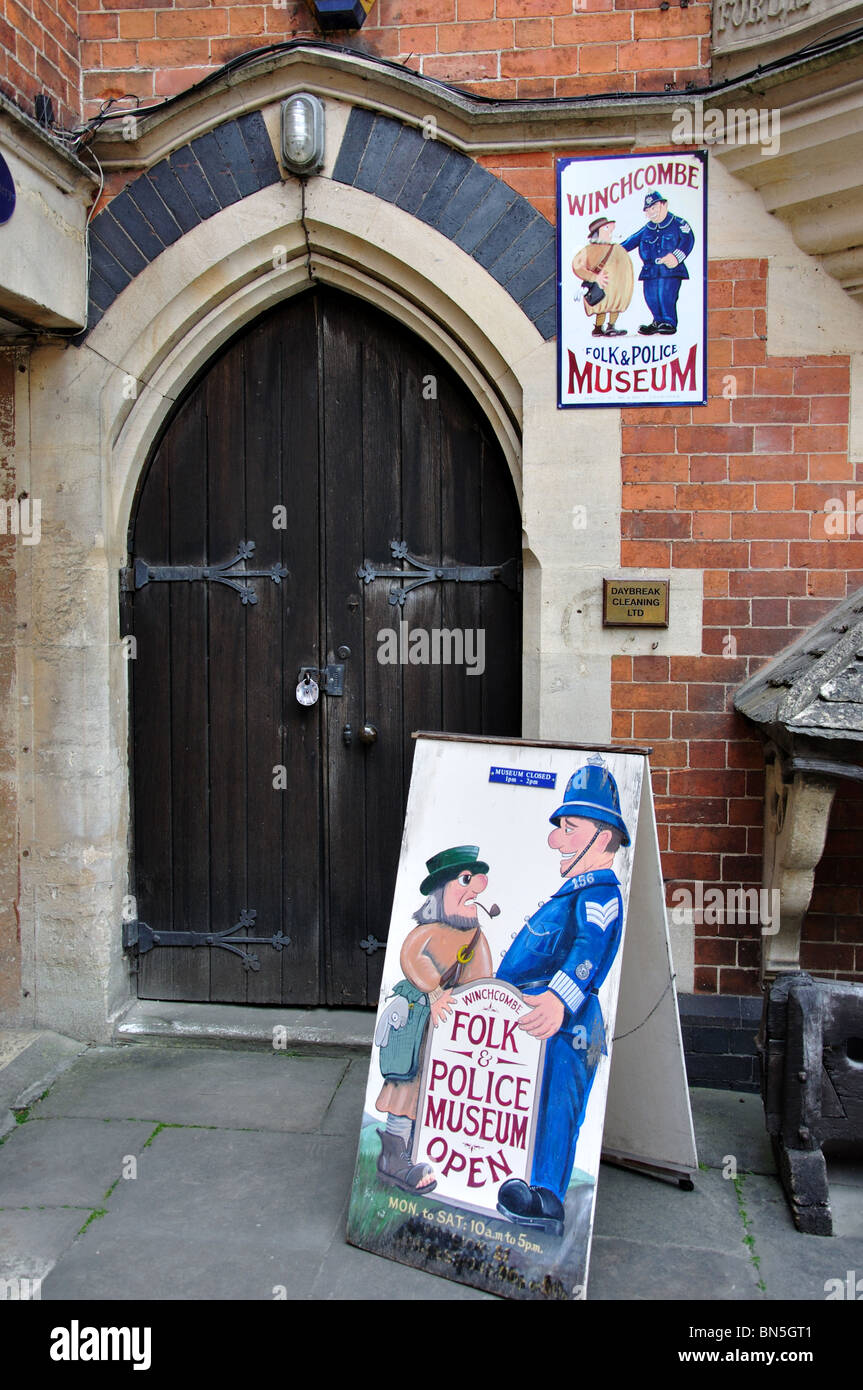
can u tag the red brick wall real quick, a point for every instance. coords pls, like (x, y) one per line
(39, 53)
(500, 48)
(737, 489)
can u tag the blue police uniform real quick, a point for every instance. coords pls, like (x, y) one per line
(673, 236)
(567, 946)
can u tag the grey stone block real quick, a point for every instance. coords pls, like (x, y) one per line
(257, 142)
(235, 154)
(173, 195)
(404, 156)
(547, 323)
(322, 1031)
(501, 236)
(541, 300)
(487, 215)
(131, 220)
(526, 247)
(381, 142)
(114, 238)
(236, 1090)
(354, 140)
(725, 1071)
(453, 172)
(706, 1040)
(191, 176)
(102, 263)
(66, 1162)
(422, 175)
(143, 194)
(532, 275)
(216, 169)
(469, 194)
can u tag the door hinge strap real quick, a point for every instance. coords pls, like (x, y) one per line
(139, 937)
(425, 572)
(141, 573)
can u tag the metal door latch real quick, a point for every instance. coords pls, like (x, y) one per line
(331, 679)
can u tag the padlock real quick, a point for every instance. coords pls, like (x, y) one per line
(308, 690)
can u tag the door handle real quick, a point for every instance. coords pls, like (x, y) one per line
(368, 734)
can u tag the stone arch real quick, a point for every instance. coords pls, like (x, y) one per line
(438, 185)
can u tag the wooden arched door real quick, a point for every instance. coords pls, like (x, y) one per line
(267, 832)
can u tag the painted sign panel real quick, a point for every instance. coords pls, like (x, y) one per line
(632, 274)
(635, 603)
(477, 1104)
(483, 1117)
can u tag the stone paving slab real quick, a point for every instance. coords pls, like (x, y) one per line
(214, 1214)
(29, 1063)
(794, 1266)
(652, 1211)
(345, 1113)
(65, 1161)
(728, 1122)
(217, 1214)
(190, 1085)
(32, 1240)
(631, 1269)
(846, 1196)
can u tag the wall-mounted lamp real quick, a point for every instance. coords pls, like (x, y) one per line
(340, 14)
(303, 133)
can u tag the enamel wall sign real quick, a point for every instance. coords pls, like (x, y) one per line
(632, 279)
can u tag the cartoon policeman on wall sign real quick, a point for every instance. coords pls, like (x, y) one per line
(663, 243)
(559, 960)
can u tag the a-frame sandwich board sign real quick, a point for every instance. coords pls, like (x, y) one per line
(528, 869)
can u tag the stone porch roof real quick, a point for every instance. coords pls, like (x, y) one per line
(813, 689)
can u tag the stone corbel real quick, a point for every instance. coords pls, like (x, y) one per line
(796, 813)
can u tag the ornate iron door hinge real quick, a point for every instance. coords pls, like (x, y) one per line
(136, 576)
(424, 572)
(137, 936)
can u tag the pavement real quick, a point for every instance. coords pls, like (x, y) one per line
(170, 1168)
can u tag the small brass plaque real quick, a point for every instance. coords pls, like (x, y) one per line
(635, 603)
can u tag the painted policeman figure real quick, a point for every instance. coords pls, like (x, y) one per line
(560, 959)
(663, 244)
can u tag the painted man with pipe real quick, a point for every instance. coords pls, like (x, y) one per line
(446, 948)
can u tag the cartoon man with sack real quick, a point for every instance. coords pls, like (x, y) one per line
(446, 948)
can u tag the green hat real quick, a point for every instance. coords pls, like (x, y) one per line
(447, 865)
